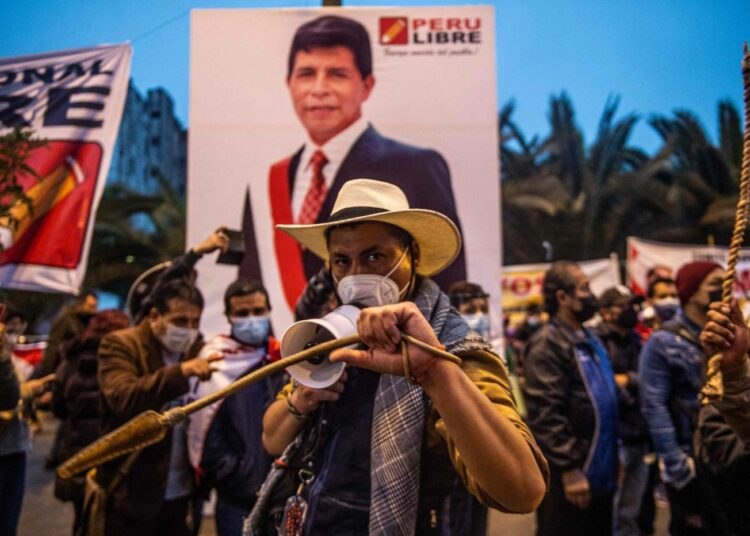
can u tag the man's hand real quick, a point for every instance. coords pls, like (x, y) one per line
(40, 385)
(622, 380)
(725, 332)
(216, 240)
(576, 486)
(200, 367)
(306, 400)
(379, 329)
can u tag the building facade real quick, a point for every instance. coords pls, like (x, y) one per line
(151, 143)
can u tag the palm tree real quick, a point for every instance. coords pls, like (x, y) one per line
(688, 190)
(557, 191)
(134, 231)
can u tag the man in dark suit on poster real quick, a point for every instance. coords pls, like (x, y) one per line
(329, 77)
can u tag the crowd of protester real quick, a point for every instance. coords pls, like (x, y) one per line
(608, 385)
(611, 384)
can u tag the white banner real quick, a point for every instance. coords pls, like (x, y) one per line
(74, 100)
(522, 283)
(429, 125)
(646, 254)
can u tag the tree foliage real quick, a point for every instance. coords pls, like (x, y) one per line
(585, 200)
(15, 148)
(134, 231)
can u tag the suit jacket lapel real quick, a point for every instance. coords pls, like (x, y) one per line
(293, 165)
(355, 162)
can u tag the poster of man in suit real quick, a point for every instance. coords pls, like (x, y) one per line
(404, 95)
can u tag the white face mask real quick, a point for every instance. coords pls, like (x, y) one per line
(370, 290)
(478, 322)
(178, 340)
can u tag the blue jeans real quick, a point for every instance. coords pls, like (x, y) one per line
(12, 476)
(228, 518)
(629, 496)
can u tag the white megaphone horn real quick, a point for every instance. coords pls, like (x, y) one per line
(319, 372)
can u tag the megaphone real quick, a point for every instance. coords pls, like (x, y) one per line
(319, 372)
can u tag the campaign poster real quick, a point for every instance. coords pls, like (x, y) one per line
(73, 101)
(422, 115)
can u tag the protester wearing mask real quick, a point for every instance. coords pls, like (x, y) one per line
(384, 448)
(224, 439)
(618, 308)
(662, 295)
(147, 367)
(471, 302)
(670, 371)
(572, 406)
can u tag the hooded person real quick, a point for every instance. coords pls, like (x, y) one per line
(384, 453)
(670, 370)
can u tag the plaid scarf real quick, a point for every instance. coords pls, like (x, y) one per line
(398, 423)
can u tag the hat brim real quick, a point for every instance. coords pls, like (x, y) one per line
(438, 237)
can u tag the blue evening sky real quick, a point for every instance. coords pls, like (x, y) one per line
(658, 55)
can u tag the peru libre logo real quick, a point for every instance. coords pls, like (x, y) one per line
(394, 31)
(438, 30)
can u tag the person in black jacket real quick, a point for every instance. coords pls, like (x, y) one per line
(619, 308)
(75, 400)
(572, 407)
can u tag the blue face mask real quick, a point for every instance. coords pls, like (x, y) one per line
(478, 322)
(666, 308)
(251, 330)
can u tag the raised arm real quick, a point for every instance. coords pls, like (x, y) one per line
(511, 477)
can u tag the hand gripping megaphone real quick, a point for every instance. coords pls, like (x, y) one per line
(319, 372)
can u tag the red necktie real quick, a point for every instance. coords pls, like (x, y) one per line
(316, 194)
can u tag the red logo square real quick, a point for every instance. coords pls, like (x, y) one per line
(394, 31)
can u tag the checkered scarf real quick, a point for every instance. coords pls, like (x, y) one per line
(399, 419)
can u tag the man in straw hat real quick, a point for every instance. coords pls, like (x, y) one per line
(394, 455)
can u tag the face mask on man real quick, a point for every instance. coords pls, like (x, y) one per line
(251, 330)
(715, 295)
(177, 339)
(589, 306)
(666, 308)
(627, 318)
(370, 290)
(478, 322)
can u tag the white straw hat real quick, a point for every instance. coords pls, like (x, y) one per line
(367, 200)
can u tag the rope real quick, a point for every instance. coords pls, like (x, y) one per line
(713, 389)
(149, 427)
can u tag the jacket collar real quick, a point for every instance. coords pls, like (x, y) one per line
(150, 346)
(571, 336)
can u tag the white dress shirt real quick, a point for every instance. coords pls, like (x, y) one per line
(335, 150)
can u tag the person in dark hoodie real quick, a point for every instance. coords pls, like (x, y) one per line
(618, 308)
(75, 401)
